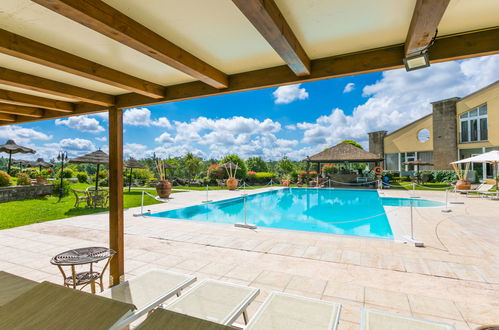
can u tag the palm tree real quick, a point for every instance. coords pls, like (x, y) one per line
(192, 165)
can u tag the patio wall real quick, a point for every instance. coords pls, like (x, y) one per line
(17, 193)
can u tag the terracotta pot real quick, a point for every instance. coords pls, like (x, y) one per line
(286, 183)
(231, 183)
(463, 185)
(41, 180)
(164, 188)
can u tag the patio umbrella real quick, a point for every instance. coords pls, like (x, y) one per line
(229, 166)
(131, 164)
(21, 163)
(97, 157)
(41, 163)
(12, 148)
(491, 157)
(417, 163)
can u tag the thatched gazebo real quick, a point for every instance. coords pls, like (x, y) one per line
(98, 158)
(341, 153)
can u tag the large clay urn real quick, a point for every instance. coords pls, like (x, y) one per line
(164, 188)
(286, 183)
(463, 185)
(231, 183)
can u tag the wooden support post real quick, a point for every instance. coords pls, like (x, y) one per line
(116, 225)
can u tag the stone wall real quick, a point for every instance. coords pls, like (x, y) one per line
(444, 133)
(376, 143)
(17, 193)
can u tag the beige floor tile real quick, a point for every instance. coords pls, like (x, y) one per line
(391, 299)
(275, 279)
(481, 314)
(350, 257)
(216, 268)
(434, 306)
(192, 264)
(345, 325)
(345, 291)
(458, 324)
(307, 284)
(244, 273)
(350, 310)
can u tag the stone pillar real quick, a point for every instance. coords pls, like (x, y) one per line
(377, 143)
(444, 133)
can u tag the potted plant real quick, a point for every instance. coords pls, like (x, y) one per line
(286, 181)
(164, 186)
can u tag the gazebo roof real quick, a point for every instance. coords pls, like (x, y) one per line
(343, 152)
(133, 163)
(96, 157)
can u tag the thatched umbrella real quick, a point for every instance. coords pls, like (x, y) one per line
(41, 163)
(229, 166)
(21, 163)
(131, 164)
(12, 148)
(97, 157)
(417, 163)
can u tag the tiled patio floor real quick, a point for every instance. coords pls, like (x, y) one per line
(455, 278)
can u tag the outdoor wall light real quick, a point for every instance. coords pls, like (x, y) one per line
(417, 62)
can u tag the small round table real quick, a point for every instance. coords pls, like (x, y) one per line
(83, 256)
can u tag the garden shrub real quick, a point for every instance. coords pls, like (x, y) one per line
(391, 174)
(5, 179)
(66, 188)
(330, 169)
(23, 179)
(104, 182)
(82, 177)
(265, 177)
(444, 176)
(215, 172)
(66, 174)
(251, 176)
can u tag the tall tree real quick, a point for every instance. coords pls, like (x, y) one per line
(192, 165)
(285, 166)
(257, 164)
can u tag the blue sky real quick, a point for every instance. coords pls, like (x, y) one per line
(294, 121)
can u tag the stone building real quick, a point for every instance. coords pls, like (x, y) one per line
(457, 128)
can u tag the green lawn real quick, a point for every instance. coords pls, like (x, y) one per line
(427, 186)
(20, 213)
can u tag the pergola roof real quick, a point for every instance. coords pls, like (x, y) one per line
(64, 57)
(344, 152)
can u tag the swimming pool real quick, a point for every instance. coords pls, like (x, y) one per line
(336, 211)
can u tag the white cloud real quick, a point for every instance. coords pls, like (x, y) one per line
(101, 139)
(21, 135)
(82, 124)
(164, 138)
(74, 147)
(399, 98)
(290, 93)
(142, 117)
(349, 87)
(136, 150)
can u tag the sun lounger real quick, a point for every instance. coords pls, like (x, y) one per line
(481, 189)
(215, 301)
(51, 306)
(148, 290)
(377, 320)
(12, 286)
(165, 319)
(286, 311)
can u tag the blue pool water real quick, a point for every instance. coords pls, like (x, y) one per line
(337, 211)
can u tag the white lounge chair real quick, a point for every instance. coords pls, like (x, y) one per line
(483, 188)
(372, 319)
(215, 301)
(147, 291)
(286, 311)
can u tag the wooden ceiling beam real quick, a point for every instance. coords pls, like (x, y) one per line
(6, 117)
(447, 48)
(16, 98)
(104, 19)
(39, 84)
(269, 21)
(34, 51)
(424, 23)
(21, 110)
